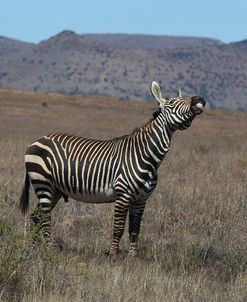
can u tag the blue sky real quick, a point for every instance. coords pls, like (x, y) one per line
(33, 21)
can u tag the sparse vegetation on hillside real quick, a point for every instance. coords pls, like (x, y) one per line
(78, 64)
(193, 239)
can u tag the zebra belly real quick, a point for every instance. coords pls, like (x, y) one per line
(105, 196)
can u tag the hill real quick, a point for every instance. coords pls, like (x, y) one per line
(151, 41)
(10, 46)
(123, 66)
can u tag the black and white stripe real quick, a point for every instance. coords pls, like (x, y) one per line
(121, 170)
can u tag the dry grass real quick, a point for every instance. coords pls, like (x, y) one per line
(193, 241)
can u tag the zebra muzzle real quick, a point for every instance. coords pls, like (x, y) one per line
(197, 104)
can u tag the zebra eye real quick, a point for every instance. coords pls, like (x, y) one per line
(171, 101)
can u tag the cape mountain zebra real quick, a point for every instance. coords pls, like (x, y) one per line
(121, 170)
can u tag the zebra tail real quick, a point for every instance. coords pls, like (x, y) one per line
(24, 200)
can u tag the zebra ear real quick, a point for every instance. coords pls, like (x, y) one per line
(156, 92)
(179, 94)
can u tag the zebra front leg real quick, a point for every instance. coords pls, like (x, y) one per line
(120, 213)
(135, 216)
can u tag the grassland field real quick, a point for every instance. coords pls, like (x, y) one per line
(193, 240)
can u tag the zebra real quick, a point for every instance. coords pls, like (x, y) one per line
(122, 170)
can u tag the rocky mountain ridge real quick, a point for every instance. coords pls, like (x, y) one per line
(124, 65)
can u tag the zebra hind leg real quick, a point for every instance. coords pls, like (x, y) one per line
(41, 217)
(35, 224)
(135, 216)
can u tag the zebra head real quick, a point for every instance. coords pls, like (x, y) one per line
(179, 112)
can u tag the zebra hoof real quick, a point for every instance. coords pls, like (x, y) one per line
(114, 252)
(132, 253)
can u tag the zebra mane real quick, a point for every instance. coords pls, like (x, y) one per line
(155, 114)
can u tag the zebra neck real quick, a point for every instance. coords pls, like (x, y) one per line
(158, 137)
